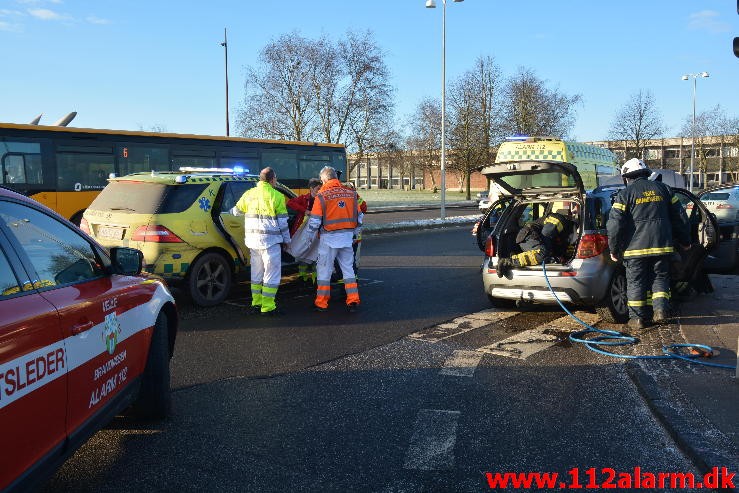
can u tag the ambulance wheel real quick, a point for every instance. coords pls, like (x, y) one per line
(209, 280)
(154, 399)
(613, 307)
(501, 302)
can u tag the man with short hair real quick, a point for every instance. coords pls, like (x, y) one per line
(265, 227)
(336, 213)
(644, 218)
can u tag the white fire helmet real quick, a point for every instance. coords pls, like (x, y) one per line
(634, 167)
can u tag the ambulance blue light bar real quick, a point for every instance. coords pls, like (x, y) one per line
(517, 138)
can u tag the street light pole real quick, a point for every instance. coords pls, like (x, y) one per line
(692, 128)
(225, 46)
(431, 4)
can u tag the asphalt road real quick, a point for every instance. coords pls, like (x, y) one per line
(425, 389)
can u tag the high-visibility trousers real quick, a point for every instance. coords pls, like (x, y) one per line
(324, 268)
(647, 285)
(266, 272)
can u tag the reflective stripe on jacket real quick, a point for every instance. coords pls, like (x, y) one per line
(337, 208)
(266, 216)
(643, 220)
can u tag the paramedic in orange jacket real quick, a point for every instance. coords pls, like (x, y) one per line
(337, 215)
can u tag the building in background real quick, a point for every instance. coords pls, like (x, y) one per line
(716, 162)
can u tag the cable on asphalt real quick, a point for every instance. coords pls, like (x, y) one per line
(615, 338)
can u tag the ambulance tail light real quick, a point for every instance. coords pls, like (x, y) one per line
(591, 245)
(85, 226)
(155, 234)
(490, 247)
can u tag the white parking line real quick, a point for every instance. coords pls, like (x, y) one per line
(461, 363)
(433, 440)
(527, 343)
(461, 325)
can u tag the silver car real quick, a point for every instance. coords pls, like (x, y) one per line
(723, 202)
(588, 277)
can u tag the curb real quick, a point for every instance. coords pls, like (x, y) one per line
(371, 229)
(690, 441)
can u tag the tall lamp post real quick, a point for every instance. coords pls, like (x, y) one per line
(692, 129)
(431, 4)
(225, 46)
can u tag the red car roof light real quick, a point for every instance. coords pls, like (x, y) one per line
(155, 234)
(591, 245)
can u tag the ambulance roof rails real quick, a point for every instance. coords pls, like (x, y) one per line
(529, 138)
(191, 169)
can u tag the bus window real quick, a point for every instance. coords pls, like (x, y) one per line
(80, 172)
(21, 162)
(285, 163)
(309, 165)
(249, 163)
(192, 157)
(135, 158)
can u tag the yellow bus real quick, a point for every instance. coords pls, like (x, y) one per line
(65, 168)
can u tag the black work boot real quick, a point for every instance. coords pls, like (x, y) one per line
(637, 324)
(662, 317)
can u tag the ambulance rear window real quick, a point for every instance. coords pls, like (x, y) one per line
(147, 198)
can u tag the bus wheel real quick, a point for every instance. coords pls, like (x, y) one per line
(209, 280)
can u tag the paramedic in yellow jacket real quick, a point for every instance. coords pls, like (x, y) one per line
(265, 227)
(336, 213)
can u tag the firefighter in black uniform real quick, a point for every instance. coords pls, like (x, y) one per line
(645, 217)
(540, 239)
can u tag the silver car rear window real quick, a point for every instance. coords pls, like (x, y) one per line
(716, 196)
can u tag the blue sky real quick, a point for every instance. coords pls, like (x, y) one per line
(127, 65)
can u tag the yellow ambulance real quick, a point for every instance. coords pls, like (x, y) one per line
(593, 163)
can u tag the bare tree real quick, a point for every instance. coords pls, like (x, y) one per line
(159, 128)
(709, 124)
(425, 140)
(365, 102)
(279, 96)
(531, 108)
(391, 152)
(637, 122)
(319, 90)
(474, 119)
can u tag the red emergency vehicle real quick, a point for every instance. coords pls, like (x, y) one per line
(83, 336)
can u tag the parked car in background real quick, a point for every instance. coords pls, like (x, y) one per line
(723, 202)
(83, 335)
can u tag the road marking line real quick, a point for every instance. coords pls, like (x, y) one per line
(529, 342)
(461, 363)
(460, 325)
(433, 440)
